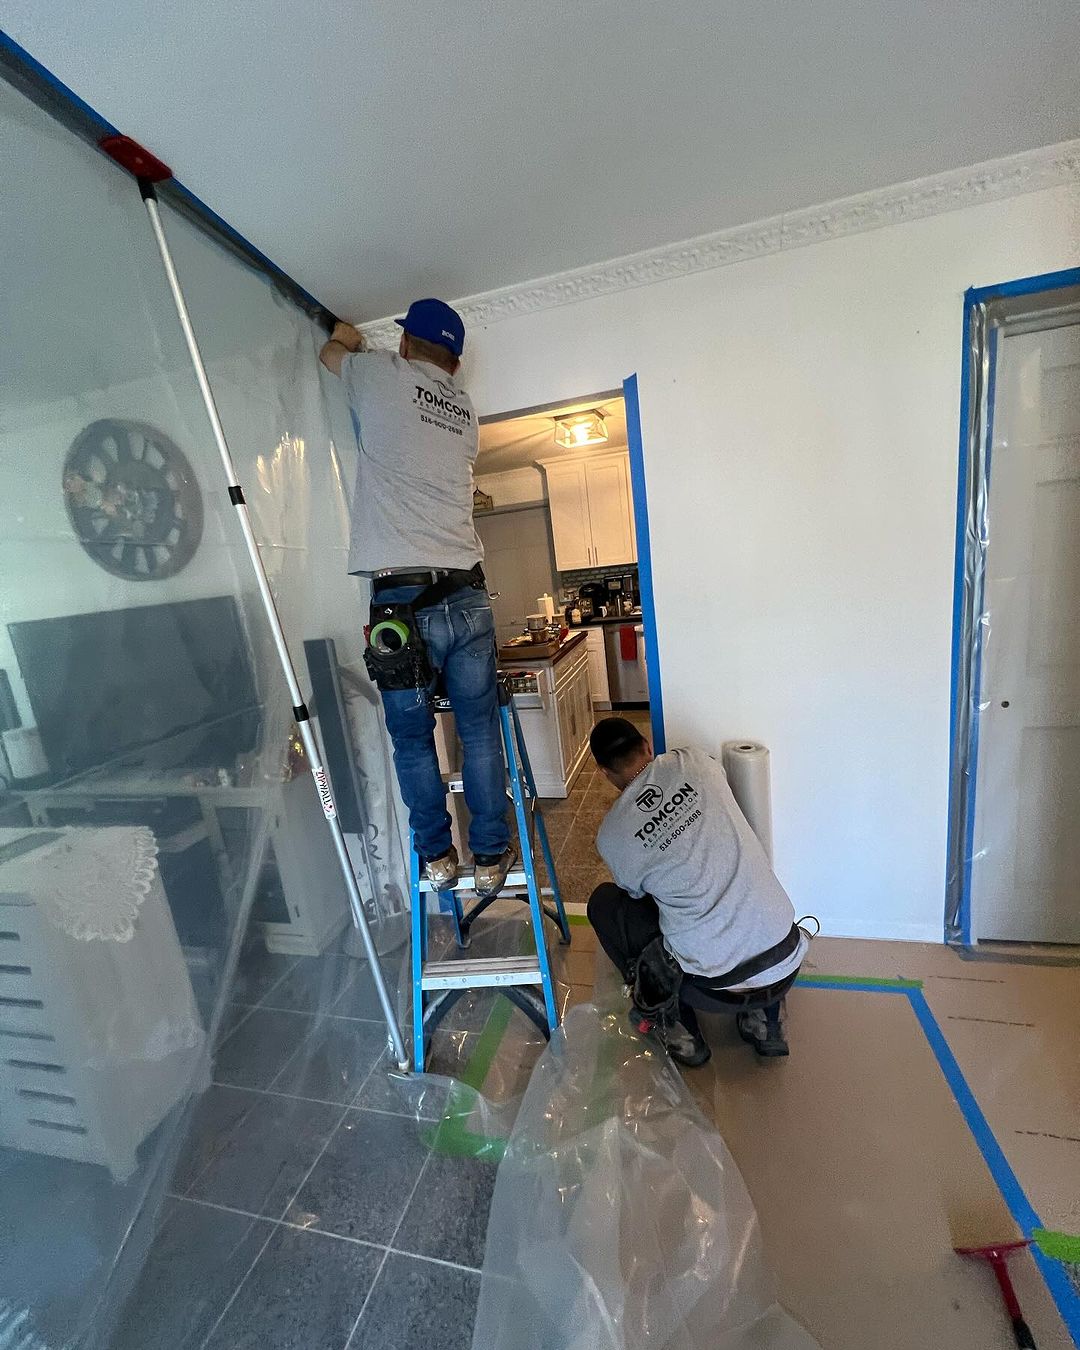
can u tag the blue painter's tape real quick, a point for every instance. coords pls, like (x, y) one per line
(811, 983)
(1046, 281)
(255, 256)
(644, 562)
(58, 87)
(1020, 1207)
(67, 96)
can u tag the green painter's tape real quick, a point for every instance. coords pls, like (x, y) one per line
(451, 1138)
(582, 919)
(1060, 1246)
(841, 980)
(395, 626)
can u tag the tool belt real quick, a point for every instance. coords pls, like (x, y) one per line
(754, 966)
(657, 977)
(396, 656)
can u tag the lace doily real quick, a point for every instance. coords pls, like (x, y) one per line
(93, 882)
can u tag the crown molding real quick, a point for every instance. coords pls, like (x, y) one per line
(994, 180)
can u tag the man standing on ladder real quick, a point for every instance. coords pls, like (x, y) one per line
(413, 534)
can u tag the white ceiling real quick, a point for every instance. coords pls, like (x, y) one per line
(377, 150)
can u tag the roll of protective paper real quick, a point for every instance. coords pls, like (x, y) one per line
(747, 766)
(22, 745)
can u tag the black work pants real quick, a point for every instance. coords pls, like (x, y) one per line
(625, 926)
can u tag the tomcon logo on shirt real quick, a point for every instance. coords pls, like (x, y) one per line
(675, 806)
(649, 799)
(441, 408)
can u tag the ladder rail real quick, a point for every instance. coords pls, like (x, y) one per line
(537, 819)
(506, 705)
(419, 954)
(438, 984)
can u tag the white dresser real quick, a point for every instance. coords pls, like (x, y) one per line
(99, 1032)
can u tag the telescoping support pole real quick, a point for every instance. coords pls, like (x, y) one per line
(300, 712)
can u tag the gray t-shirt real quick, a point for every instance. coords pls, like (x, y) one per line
(416, 430)
(677, 834)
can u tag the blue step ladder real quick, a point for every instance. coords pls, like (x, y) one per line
(437, 985)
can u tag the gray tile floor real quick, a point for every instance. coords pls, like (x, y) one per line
(308, 1210)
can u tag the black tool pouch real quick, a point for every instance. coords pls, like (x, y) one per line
(657, 980)
(395, 655)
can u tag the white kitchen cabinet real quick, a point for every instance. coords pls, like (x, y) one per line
(592, 511)
(574, 714)
(611, 511)
(568, 500)
(598, 680)
(557, 719)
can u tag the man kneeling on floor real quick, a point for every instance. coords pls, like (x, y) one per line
(696, 914)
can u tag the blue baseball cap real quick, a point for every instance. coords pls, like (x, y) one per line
(434, 321)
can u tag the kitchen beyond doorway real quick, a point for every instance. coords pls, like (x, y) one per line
(555, 513)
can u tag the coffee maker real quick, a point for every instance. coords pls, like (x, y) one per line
(591, 596)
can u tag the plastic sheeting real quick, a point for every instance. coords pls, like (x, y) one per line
(620, 1220)
(1015, 667)
(286, 421)
(145, 731)
(968, 620)
(483, 1050)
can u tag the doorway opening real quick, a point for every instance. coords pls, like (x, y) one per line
(558, 500)
(1014, 849)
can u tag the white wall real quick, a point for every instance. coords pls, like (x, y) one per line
(800, 418)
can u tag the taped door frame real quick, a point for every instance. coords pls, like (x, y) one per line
(982, 304)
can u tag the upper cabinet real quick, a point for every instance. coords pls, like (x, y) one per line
(592, 511)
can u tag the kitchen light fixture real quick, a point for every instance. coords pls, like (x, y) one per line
(585, 428)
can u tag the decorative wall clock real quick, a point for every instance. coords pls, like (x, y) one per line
(133, 499)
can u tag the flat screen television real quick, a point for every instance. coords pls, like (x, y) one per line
(161, 686)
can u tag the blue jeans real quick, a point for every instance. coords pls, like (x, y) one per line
(459, 635)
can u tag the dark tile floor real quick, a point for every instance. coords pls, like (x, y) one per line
(308, 1209)
(572, 824)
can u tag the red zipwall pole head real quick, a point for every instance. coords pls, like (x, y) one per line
(132, 156)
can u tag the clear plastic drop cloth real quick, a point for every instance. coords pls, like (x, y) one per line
(143, 739)
(484, 1048)
(287, 424)
(619, 1219)
(175, 936)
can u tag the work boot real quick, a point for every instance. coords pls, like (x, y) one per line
(442, 872)
(762, 1028)
(685, 1044)
(491, 871)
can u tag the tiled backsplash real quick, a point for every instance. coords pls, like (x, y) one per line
(583, 574)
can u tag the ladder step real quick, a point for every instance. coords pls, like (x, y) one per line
(467, 882)
(481, 972)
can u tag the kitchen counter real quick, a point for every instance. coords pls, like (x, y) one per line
(569, 644)
(610, 618)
